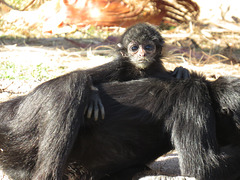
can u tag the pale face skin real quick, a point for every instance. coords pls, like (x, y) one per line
(141, 55)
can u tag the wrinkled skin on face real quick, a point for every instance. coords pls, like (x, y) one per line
(141, 54)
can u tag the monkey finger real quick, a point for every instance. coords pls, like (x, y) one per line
(179, 72)
(96, 111)
(90, 109)
(174, 72)
(102, 109)
(186, 74)
(85, 109)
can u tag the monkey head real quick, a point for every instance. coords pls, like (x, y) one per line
(142, 44)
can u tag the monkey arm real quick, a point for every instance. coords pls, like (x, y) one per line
(181, 73)
(105, 73)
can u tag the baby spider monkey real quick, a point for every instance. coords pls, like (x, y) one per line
(138, 55)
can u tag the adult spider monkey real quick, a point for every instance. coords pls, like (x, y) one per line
(43, 135)
(138, 56)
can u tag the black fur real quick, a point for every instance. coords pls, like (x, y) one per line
(37, 131)
(43, 135)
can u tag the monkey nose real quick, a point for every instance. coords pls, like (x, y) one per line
(142, 53)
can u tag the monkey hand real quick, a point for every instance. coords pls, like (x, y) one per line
(181, 73)
(94, 105)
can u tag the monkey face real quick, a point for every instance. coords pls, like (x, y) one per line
(141, 54)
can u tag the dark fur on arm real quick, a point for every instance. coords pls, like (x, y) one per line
(45, 122)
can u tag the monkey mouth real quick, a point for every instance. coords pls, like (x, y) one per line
(143, 60)
(141, 63)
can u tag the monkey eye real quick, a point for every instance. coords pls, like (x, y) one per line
(134, 48)
(149, 47)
